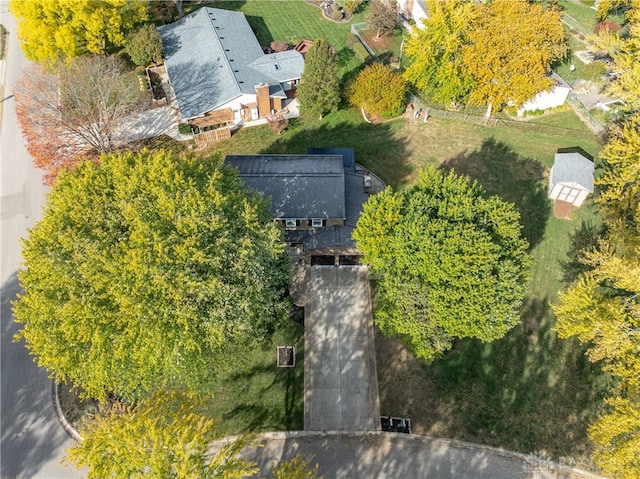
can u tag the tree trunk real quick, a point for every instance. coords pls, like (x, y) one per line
(487, 115)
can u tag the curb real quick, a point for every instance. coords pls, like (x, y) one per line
(66, 425)
(560, 470)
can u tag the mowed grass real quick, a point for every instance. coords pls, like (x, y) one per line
(529, 391)
(584, 15)
(255, 395)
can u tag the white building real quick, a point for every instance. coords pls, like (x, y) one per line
(571, 178)
(556, 96)
(413, 9)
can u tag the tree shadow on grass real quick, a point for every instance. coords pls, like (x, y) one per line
(284, 413)
(583, 239)
(375, 146)
(529, 391)
(519, 180)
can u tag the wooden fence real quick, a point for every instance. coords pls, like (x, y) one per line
(212, 136)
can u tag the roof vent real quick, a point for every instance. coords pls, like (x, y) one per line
(276, 66)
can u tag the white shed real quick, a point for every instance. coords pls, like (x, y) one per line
(571, 178)
(552, 98)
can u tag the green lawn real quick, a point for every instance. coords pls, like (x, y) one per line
(584, 15)
(258, 396)
(528, 391)
(291, 21)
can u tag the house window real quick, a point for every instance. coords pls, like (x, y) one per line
(317, 222)
(290, 223)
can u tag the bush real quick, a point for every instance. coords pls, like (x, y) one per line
(380, 90)
(184, 128)
(336, 14)
(144, 46)
(594, 70)
(607, 26)
(351, 6)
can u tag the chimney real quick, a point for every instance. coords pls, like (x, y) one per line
(262, 99)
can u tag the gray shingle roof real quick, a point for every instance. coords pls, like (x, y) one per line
(212, 57)
(572, 169)
(299, 186)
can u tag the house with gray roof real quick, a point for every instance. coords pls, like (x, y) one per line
(219, 72)
(317, 198)
(571, 177)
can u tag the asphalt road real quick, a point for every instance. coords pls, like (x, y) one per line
(32, 440)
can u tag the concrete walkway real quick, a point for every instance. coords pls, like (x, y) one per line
(340, 381)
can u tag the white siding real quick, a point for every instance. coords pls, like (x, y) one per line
(555, 191)
(581, 197)
(546, 99)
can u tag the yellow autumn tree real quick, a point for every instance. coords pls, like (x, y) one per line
(51, 30)
(165, 435)
(512, 45)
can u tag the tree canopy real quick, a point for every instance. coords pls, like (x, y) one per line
(511, 48)
(436, 51)
(379, 90)
(319, 90)
(165, 436)
(144, 46)
(602, 307)
(50, 31)
(76, 110)
(451, 262)
(148, 270)
(495, 53)
(382, 16)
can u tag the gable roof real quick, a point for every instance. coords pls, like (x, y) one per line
(573, 169)
(311, 186)
(212, 56)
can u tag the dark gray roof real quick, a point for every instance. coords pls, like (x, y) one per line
(348, 157)
(212, 56)
(299, 186)
(572, 169)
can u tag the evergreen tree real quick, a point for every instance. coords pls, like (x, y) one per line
(319, 89)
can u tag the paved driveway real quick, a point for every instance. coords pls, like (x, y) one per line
(340, 382)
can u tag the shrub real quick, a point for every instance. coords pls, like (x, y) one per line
(278, 123)
(144, 46)
(184, 128)
(351, 6)
(607, 26)
(379, 90)
(336, 14)
(594, 70)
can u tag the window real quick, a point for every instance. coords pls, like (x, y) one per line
(290, 223)
(317, 222)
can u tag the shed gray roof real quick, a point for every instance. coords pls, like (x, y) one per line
(299, 186)
(212, 57)
(572, 169)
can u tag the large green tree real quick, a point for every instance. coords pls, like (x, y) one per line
(165, 436)
(145, 45)
(451, 262)
(435, 51)
(51, 30)
(148, 269)
(319, 88)
(379, 90)
(512, 45)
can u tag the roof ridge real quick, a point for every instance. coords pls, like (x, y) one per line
(222, 50)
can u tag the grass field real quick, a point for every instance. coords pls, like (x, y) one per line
(527, 392)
